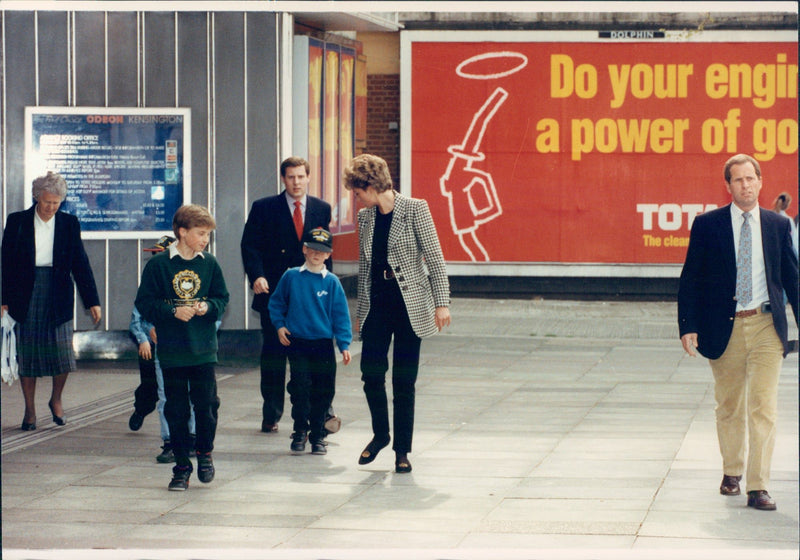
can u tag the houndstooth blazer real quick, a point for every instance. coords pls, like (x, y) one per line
(416, 258)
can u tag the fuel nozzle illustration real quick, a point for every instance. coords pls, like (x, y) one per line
(471, 193)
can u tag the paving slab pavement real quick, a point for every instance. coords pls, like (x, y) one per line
(544, 429)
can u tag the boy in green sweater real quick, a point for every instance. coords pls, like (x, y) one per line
(183, 294)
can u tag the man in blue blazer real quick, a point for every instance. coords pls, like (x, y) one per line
(270, 245)
(731, 310)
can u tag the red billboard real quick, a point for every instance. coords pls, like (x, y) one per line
(579, 151)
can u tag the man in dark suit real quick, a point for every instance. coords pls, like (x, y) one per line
(731, 310)
(271, 244)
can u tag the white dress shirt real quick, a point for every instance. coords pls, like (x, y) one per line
(44, 237)
(290, 202)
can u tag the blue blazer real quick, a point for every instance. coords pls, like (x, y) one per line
(706, 303)
(269, 243)
(69, 261)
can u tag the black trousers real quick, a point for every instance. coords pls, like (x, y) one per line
(312, 384)
(145, 397)
(181, 394)
(388, 319)
(273, 372)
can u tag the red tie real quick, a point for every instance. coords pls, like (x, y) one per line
(298, 219)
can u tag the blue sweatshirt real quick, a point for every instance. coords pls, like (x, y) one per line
(312, 305)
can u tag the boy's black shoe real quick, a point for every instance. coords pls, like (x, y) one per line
(180, 478)
(136, 421)
(166, 455)
(205, 467)
(319, 447)
(299, 440)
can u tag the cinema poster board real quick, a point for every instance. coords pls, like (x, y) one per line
(589, 153)
(127, 169)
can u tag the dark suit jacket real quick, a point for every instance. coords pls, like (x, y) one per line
(269, 242)
(69, 261)
(706, 304)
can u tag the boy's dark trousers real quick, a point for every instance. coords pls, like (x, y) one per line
(180, 394)
(145, 397)
(312, 383)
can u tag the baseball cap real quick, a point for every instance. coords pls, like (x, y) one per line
(161, 244)
(319, 239)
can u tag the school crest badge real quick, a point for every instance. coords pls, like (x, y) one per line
(186, 284)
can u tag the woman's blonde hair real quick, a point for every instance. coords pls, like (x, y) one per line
(368, 170)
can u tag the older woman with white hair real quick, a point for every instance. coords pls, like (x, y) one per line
(42, 253)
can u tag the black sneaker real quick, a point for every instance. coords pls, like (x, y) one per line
(136, 421)
(205, 467)
(180, 479)
(166, 455)
(299, 440)
(319, 447)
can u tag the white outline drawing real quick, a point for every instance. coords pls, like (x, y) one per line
(479, 203)
(485, 56)
(470, 192)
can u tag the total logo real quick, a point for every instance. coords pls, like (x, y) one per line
(670, 216)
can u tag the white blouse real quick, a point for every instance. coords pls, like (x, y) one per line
(44, 237)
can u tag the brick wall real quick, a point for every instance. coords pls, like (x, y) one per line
(383, 107)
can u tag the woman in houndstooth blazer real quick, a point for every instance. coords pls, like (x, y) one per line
(403, 293)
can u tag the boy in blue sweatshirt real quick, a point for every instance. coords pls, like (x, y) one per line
(309, 310)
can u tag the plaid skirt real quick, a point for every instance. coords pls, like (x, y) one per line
(44, 350)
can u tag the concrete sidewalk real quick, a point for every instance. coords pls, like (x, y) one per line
(544, 429)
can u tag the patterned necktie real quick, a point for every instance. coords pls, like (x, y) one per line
(744, 264)
(297, 216)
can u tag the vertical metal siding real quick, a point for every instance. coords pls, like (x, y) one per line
(53, 48)
(19, 91)
(229, 98)
(123, 271)
(122, 59)
(263, 151)
(159, 59)
(90, 59)
(214, 63)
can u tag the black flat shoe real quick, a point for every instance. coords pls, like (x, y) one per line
(59, 420)
(372, 449)
(402, 464)
(28, 426)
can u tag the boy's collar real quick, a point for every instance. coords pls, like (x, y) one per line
(173, 252)
(324, 270)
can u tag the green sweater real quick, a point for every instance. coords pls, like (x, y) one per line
(171, 282)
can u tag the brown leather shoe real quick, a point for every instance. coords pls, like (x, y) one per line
(730, 485)
(760, 499)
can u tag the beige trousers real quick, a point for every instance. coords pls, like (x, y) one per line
(746, 390)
